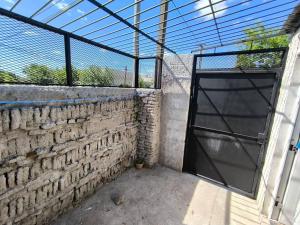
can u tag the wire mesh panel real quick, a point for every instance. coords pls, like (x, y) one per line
(30, 54)
(146, 73)
(92, 65)
(253, 60)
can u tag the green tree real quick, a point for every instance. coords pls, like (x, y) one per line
(259, 35)
(42, 74)
(6, 77)
(144, 84)
(95, 75)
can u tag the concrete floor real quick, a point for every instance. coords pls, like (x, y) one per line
(161, 196)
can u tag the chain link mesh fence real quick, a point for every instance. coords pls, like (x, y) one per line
(241, 61)
(92, 65)
(30, 54)
(147, 73)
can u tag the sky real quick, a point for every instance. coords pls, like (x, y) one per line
(190, 24)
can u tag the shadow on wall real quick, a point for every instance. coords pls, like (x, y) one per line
(171, 76)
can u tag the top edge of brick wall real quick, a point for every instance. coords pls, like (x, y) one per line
(27, 93)
(34, 92)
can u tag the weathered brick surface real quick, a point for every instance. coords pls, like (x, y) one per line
(51, 156)
(149, 126)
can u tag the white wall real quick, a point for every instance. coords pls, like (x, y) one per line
(290, 213)
(176, 83)
(282, 128)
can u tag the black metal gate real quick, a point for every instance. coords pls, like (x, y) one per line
(231, 106)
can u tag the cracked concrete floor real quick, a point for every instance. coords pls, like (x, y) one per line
(161, 196)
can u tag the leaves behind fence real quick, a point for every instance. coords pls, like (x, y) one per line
(32, 55)
(93, 75)
(261, 40)
(259, 60)
(43, 75)
(144, 83)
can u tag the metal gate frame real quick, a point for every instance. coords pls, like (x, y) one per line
(275, 92)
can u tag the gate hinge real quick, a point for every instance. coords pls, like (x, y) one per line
(277, 76)
(293, 148)
(261, 137)
(278, 204)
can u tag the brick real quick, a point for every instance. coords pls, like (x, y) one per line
(53, 114)
(2, 184)
(20, 206)
(12, 208)
(3, 150)
(11, 176)
(22, 175)
(32, 198)
(15, 119)
(4, 214)
(62, 184)
(47, 164)
(5, 120)
(41, 196)
(35, 170)
(26, 117)
(45, 114)
(22, 145)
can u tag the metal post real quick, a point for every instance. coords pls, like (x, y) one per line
(201, 52)
(136, 37)
(136, 23)
(136, 72)
(68, 60)
(158, 73)
(161, 39)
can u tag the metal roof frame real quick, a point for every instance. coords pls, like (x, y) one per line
(148, 44)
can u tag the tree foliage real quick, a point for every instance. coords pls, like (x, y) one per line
(41, 74)
(95, 75)
(259, 35)
(7, 77)
(144, 84)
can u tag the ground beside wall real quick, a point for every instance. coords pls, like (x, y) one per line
(174, 198)
(176, 84)
(57, 147)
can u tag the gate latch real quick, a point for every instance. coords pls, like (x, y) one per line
(261, 138)
(294, 148)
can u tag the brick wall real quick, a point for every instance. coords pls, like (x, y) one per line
(149, 126)
(53, 155)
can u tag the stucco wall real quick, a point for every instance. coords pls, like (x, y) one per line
(176, 83)
(281, 130)
(57, 144)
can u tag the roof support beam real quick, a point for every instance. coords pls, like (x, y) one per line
(215, 20)
(163, 18)
(161, 38)
(15, 5)
(136, 37)
(136, 23)
(108, 11)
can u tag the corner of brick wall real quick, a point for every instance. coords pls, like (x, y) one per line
(149, 102)
(53, 153)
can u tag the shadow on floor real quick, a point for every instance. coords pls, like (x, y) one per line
(161, 196)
